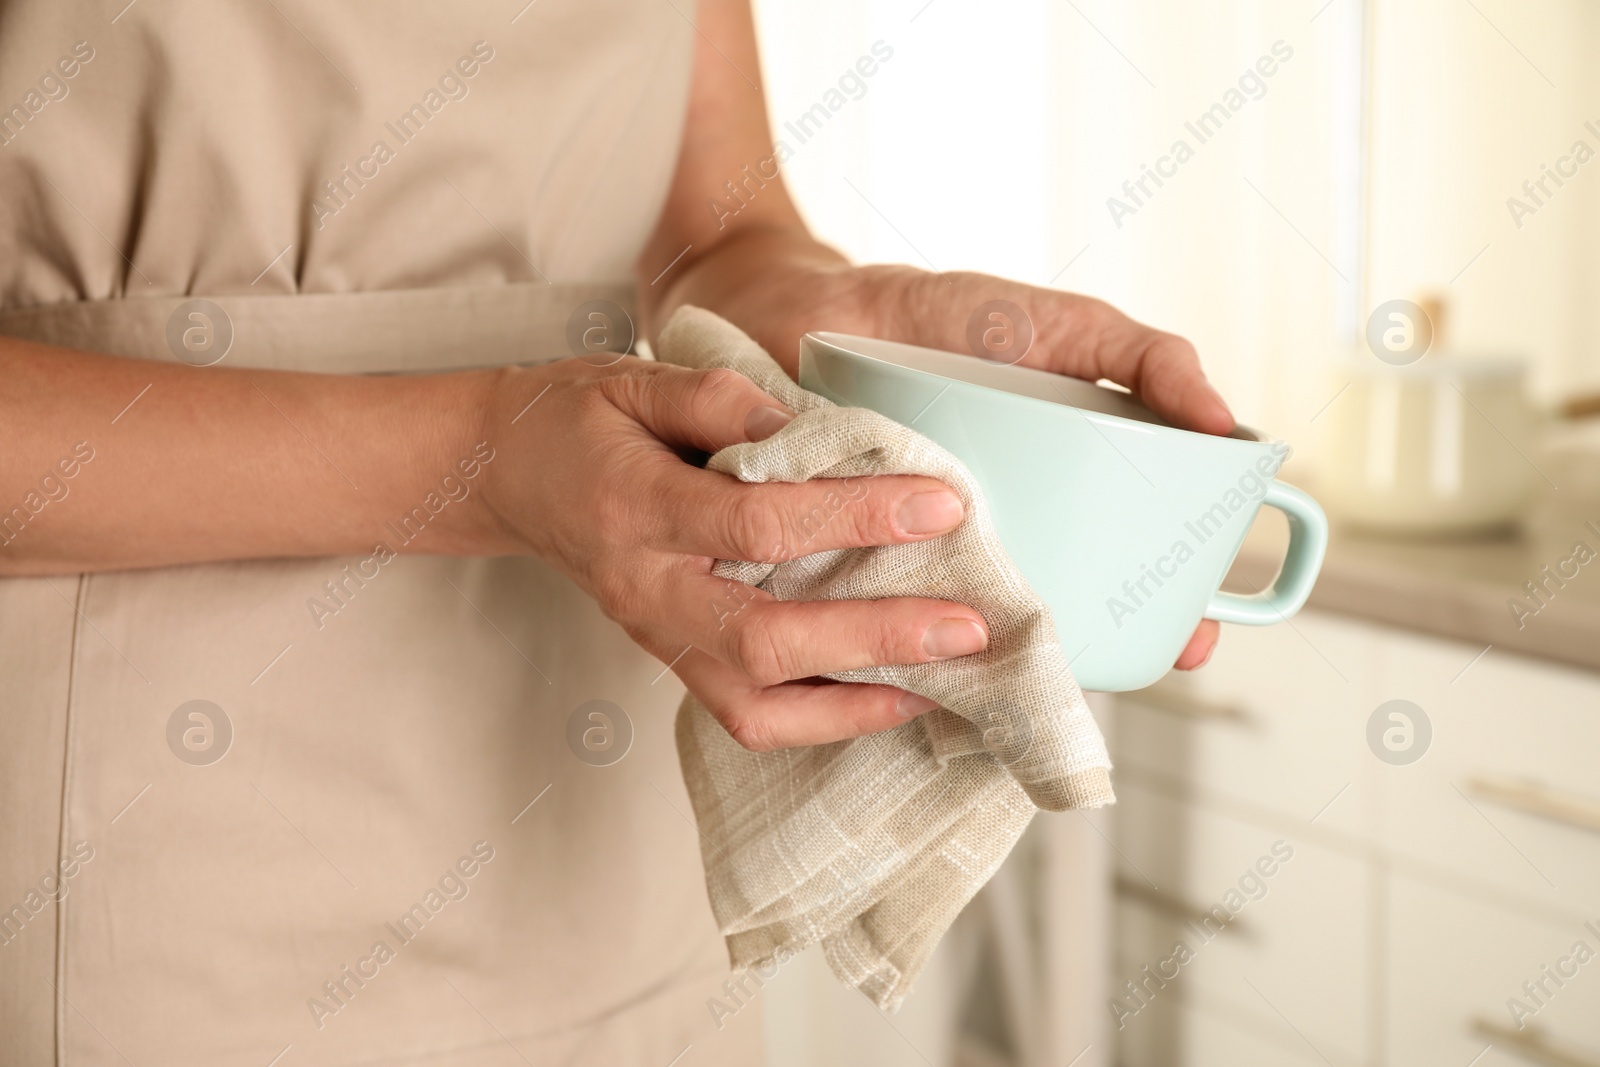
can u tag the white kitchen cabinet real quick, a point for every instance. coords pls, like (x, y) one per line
(1455, 961)
(1275, 719)
(1181, 862)
(1201, 1035)
(1420, 892)
(1508, 794)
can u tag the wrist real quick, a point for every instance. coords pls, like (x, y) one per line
(444, 507)
(739, 278)
(499, 421)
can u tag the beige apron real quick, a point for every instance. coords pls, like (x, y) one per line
(399, 772)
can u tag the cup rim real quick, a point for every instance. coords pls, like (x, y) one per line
(1002, 377)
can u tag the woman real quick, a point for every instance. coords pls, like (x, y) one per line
(385, 597)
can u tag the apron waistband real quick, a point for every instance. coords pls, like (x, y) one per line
(395, 331)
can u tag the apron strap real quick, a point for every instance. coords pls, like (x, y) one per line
(404, 331)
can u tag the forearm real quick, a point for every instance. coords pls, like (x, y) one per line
(113, 463)
(739, 253)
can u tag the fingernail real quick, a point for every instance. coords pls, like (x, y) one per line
(763, 422)
(953, 637)
(927, 513)
(1212, 651)
(913, 704)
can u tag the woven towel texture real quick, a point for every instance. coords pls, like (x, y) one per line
(872, 846)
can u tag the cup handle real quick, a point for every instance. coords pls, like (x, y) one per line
(1308, 542)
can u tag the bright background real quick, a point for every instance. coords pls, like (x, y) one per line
(994, 136)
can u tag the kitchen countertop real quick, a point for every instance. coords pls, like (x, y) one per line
(1460, 587)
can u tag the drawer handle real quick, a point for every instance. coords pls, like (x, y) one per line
(1175, 907)
(1530, 1044)
(1541, 800)
(1176, 700)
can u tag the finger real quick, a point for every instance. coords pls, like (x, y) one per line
(706, 513)
(1203, 642)
(771, 641)
(1084, 338)
(704, 409)
(1164, 371)
(1090, 339)
(787, 716)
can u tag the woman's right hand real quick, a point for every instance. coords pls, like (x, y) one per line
(592, 478)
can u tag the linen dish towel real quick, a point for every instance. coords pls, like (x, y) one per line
(873, 845)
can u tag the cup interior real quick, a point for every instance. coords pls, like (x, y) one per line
(1009, 378)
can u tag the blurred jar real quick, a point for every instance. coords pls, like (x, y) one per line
(1434, 447)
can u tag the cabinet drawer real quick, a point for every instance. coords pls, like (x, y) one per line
(1277, 718)
(1181, 1034)
(1294, 957)
(1507, 793)
(1454, 963)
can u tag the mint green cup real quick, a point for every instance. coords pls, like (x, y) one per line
(1124, 524)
